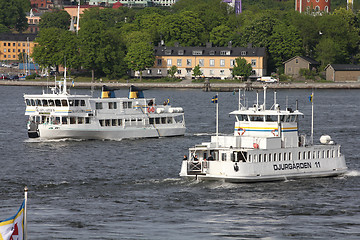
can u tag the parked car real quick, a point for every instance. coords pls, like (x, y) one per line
(14, 77)
(3, 77)
(267, 79)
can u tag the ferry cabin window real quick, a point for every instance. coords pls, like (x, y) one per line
(271, 118)
(242, 117)
(80, 120)
(45, 102)
(114, 122)
(71, 103)
(64, 120)
(72, 120)
(82, 103)
(28, 102)
(127, 105)
(151, 120)
(241, 156)
(157, 120)
(163, 120)
(112, 105)
(119, 122)
(51, 102)
(57, 120)
(101, 122)
(169, 120)
(57, 103)
(223, 156)
(38, 102)
(98, 105)
(256, 118)
(107, 122)
(32, 102)
(64, 103)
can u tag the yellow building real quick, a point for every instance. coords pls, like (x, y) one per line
(214, 62)
(11, 45)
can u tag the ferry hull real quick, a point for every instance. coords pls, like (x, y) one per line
(266, 172)
(59, 132)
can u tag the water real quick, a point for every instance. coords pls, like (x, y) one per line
(130, 189)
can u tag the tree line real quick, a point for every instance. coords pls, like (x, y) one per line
(112, 41)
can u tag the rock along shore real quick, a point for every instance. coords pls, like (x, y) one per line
(222, 87)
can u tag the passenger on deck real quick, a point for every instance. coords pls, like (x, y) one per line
(210, 158)
(151, 103)
(195, 158)
(185, 157)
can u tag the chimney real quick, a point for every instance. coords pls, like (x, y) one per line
(209, 45)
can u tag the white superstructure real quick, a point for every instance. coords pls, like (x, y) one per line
(265, 146)
(62, 115)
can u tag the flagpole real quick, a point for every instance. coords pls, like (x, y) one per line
(217, 115)
(312, 117)
(25, 213)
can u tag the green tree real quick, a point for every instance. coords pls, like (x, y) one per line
(184, 27)
(140, 56)
(242, 68)
(173, 71)
(58, 19)
(220, 35)
(12, 14)
(284, 43)
(197, 71)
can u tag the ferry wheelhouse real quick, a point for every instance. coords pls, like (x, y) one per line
(60, 114)
(265, 146)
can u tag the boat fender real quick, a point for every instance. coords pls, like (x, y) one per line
(236, 167)
(239, 131)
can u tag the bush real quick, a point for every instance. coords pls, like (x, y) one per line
(32, 76)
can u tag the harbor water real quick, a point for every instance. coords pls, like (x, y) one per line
(131, 189)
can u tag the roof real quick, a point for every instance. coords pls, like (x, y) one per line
(344, 67)
(307, 59)
(209, 51)
(17, 36)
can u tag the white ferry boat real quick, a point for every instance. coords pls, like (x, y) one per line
(59, 114)
(265, 146)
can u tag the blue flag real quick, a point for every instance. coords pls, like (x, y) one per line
(311, 98)
(214, 99)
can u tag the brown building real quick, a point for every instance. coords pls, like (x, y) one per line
(343, 72)
(33, 20)
(11, 45)
(293, 65)
(214, 62)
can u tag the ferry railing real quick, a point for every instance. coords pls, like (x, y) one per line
(197, 167)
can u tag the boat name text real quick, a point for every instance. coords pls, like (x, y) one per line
(289, 166)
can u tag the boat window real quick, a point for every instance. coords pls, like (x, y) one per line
(256, 118)
(51, 102)
(299, 157)
(57, 103)
(205, 155)
(27, 102)
(71, 103)
(250, 158)
(271, 118)
(45, 102)
(87, 120)
(151, 120)
(64, 102)
(157, 120)
(127, 105)
(169, 120)
(77, 103)
(114, 122)
(280, 157)
(275, 159)
(319, 154)
(119, 122)
(64, 120)
(38, 102)
(72, 120)
(309, 155)
(107, 122)
(285, 155)
(223, 156)
(265, 157)
(98, 105)
(112, 105)
(163, 120)
(243, 117)
(290, 156)
(232, 156)
(32, 102)
(304, 155)
(101, 122)
(80, 120)
(82, 102)
(57, 120)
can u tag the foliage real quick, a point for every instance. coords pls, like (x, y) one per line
(140, 56)
(22, 57)
(308, 74)
(197, 71)
(58, 19)
(242, 68)
(12, 14)
(173, 71)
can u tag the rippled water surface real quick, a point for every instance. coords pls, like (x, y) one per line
(130, 189)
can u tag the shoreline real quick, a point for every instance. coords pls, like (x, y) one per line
(224, 87)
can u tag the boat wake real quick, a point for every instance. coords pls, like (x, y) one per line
(352, 173)
(38, 140)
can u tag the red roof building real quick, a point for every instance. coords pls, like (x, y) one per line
(312, 5)
(117, 5)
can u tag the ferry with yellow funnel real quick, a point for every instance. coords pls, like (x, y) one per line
(265, 146)
(60, 115)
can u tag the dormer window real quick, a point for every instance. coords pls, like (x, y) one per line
(212, 52)
(167, 52)
(243, 53)
(197, 52)
(181, 52)
(225, 52)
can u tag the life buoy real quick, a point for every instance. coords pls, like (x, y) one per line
(255, 145)
(241, 131)
(150, 109)
(273, 132)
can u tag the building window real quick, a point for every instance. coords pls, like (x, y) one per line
(197, 52)
(227, 52)
(243, 53)
(4, 44)
(159, 71)
(188, 62)
(326, 9)
(297, 61)
(201, 62)
(149, 71)
(13, 44)
(178, 71)
(232, 62)
(211, 72)
(222, 72)
(4, 49)
(159, 62)
(169, 62)
(253, 62)
(181, 52)
(212, 62)
(317, 9)
(167, 52)
(178, 62)
(13, 50)
(222, 62)
(212, 52)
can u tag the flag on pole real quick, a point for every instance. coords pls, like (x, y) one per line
(214, 99)
(311, 98)
(73, 83)
(13, 228)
